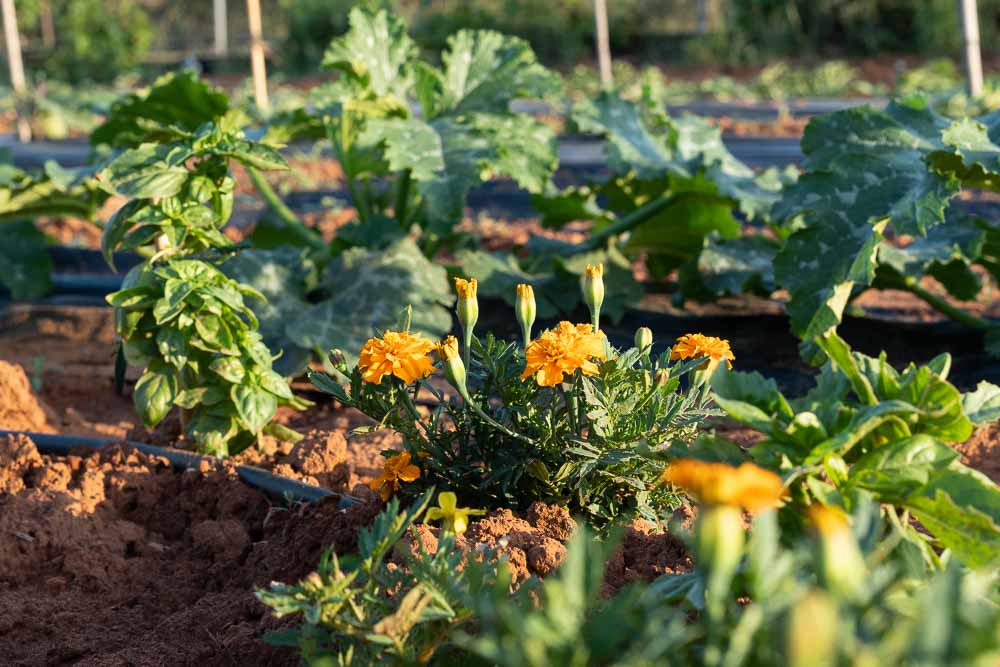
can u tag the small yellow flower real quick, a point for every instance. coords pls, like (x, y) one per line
(452, 517)
(559, 352)
(748, 486)
(466, 289)
(395, 470)
(692, 346)
(398, 353)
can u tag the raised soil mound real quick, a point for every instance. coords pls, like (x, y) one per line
(20, 409)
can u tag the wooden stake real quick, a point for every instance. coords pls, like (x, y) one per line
(257, 63)
(221, 24)
(17, 78)
(973, 57)
(603, 42)
(48, 24)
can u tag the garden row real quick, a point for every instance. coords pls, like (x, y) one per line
(868, 529)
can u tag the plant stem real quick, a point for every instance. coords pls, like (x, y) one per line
(402, 197)
(939, 304)
(285, 214)
(625, 223)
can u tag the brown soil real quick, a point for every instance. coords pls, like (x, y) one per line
(982, 451)
(112, 557)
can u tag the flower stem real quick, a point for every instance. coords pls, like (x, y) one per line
(285, 214)
(939, 304)
(625, 223)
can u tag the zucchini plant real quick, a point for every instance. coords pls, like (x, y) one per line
(413, 138)
(24, 196)
(177, 315)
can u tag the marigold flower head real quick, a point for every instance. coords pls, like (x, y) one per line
(396, 469)
(692, 346)
(560, 351)
(748, 486)
(466, 289)
(594, 272)
(398, 353)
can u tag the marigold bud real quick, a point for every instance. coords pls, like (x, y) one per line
(593, 292)
(719, 538)
(468, 304)
(811, 637)
(643, 339)
(525, 310)
(454, 369)
(842, 566)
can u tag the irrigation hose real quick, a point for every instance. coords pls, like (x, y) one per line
(273, 485)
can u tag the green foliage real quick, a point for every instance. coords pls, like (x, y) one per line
(758, 31)
(783, 606)
(177, 315)
(674, 190)
(98, 40)
(178, 100)
(868, 427)
(25, 258)
(418, 167)
(592, 444)
(309, 312)
(869, 169)
(187, 325)
(361, 610)
(23, 196)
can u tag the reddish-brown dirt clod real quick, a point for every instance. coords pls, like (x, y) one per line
(982, 451)
(20, 410)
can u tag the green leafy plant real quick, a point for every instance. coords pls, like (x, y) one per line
(177, 315)
(404, 166)
(877, 174)
(674, 186)
(868, 427)
(587, 437)
(360, 610)
(24, 196)
(850, 592)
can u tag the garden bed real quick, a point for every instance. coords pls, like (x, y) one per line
(113, 557)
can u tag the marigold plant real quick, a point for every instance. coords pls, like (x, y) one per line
(569, 420)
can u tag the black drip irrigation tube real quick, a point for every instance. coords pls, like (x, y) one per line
(274, 486)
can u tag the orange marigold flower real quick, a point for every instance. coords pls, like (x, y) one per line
(559, 352)
(398, 353)
(748, 486)
(395, 470)
(692, 346)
